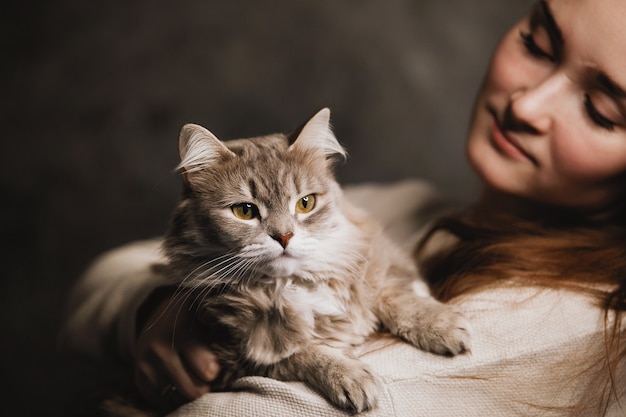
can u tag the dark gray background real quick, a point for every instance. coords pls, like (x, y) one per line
(93, 94)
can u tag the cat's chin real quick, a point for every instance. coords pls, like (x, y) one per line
(284, 266)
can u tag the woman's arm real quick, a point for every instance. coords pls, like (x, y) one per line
(102, 308)
(123, 307)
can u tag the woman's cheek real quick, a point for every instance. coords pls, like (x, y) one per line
(514, 68)
(504, 71)
(579, 156)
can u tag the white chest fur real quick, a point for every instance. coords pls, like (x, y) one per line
(313, 300)
(351, 320)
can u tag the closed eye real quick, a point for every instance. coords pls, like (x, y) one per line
(545, 39)
(532, 47)
(597, 117)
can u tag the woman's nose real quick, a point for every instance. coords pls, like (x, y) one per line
(534, 107)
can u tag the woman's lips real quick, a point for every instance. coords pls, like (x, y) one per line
(507, 145)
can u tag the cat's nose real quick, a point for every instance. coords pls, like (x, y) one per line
(283, 238)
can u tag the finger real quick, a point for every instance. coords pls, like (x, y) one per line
(146, 382)
(201, 361)
(156, 384)
(151, 381)
(185, 379)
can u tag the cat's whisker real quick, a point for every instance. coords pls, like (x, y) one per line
(241, 271)
(212, 279)
(185, 290)
(228, 274)
(181, 291)
(195, 278)
(220, 259)
(221, 275)
(247, 274)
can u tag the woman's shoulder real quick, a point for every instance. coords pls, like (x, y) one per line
(403, 208)
(379, 197)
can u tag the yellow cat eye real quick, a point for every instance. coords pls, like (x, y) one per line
(245, 211)
(306, 204)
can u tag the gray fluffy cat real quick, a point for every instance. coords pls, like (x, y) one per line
(287, 276)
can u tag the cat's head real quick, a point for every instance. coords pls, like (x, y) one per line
(267, 205)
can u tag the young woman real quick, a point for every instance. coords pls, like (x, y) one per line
(538, 265)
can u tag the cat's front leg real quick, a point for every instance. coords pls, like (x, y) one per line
(344, 380)
(409, 312)
(252, 331)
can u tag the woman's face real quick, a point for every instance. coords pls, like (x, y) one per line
(550, 120)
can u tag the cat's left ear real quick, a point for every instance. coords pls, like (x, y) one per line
(316, 135)
(199, 148)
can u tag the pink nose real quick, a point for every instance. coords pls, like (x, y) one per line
(283, 238)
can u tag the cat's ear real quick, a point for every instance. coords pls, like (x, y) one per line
(316, 135)
(199, 148)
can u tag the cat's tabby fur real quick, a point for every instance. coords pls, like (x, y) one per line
(287, 293)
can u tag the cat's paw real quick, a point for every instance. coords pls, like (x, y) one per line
(440, 329)
(351, 386)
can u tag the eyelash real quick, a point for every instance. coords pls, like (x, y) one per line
(533, 48)
(594, 114)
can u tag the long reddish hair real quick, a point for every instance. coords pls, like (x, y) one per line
(555, 250)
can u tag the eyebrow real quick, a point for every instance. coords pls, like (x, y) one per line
(551, 26)
(610, 86)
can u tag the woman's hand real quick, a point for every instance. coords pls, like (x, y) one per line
(172, 364)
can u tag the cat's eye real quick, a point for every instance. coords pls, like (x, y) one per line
(306, 204)
(245, 211)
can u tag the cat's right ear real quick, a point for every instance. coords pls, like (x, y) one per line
(198, 149)
(317, 136)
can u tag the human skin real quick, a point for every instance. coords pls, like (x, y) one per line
(546, 128)
(170, 352)
(547, 125)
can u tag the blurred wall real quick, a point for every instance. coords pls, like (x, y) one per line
(95, 92)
